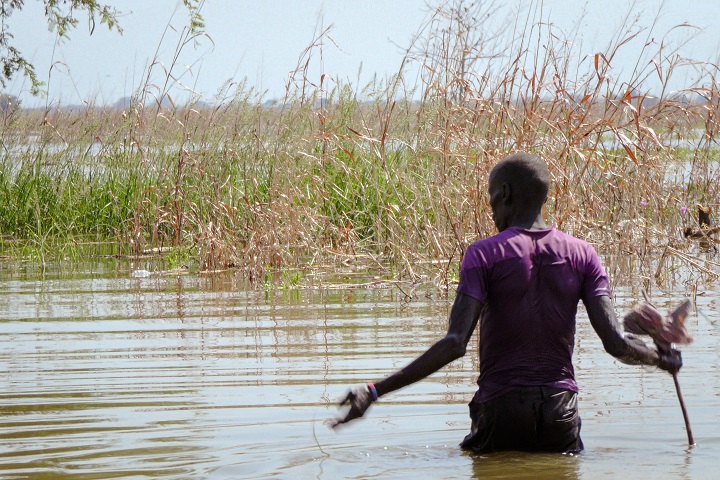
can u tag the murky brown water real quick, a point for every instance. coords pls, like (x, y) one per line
(103, 375)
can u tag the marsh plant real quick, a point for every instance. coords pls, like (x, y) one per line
(391, 174)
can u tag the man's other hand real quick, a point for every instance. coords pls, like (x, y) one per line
(670, 360)
(359, 399)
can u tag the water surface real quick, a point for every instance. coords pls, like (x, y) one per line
(104, 375)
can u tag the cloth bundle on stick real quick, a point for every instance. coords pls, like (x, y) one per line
(644, 319)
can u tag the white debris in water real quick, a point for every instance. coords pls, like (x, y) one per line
(140, 274)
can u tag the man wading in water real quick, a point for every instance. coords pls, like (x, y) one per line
(523, 285)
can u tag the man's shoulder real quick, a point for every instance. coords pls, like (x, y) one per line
(492, 242)
(561, 236)
(517, 235)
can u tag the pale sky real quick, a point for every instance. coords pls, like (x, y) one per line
(261, 41)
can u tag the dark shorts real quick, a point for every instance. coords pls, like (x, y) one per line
(534, 419)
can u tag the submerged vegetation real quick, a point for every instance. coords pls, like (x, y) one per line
(392, 174)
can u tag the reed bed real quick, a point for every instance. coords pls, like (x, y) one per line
(390, 176)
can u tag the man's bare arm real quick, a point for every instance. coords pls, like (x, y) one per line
(463, 319)
(624, 346)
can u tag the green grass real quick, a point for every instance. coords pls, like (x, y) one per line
(396, 178)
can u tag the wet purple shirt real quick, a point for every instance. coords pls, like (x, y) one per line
(530, 282)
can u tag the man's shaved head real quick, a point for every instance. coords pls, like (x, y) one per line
(528, 178)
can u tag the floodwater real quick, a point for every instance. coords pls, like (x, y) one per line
(106, 375)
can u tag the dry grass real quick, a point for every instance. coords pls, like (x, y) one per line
(393, 177)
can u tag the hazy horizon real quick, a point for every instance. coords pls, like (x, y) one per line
(260, 44)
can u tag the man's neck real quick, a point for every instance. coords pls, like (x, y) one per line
(535, 222)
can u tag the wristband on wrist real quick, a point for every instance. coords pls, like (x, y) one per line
(373, 392)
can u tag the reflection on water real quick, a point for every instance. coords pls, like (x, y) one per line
(105, 375)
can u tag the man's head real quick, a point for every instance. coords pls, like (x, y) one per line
(518, 188)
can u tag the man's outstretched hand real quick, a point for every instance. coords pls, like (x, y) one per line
(359, 399)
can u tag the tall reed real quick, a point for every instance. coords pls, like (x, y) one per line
(393, 173)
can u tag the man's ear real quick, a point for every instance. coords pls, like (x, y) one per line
(506, 192)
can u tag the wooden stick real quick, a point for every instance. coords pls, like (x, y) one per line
(664, 347)
(691, 440)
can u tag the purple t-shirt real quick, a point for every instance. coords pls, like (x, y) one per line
(530, 282)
